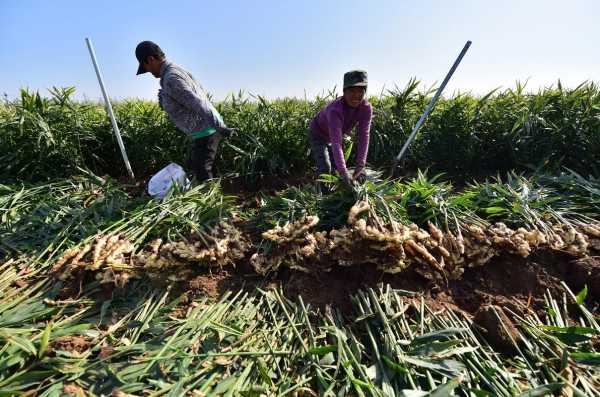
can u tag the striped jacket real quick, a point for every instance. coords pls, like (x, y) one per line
(185, 101)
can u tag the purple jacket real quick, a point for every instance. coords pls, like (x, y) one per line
(338, 118)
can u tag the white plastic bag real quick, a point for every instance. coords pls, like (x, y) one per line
(165, 179)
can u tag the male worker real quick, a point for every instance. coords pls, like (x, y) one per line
(338, 118)
(187, 105)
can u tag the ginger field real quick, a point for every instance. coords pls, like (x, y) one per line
(475, 273)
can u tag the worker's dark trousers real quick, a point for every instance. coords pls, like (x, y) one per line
(204, 151)
(321, 152)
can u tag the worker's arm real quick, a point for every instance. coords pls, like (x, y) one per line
(160, 98)
(335, 122)
(364, 128)
(180, 91)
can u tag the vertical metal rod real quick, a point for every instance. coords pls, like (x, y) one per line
(432, 103)
(109, 108)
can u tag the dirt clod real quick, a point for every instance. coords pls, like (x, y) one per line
(582, 272)
(72, 390)
(206, 285)
(498, 329)
(105, 352)
(70, 344)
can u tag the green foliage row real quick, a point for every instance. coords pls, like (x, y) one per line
(465, 136)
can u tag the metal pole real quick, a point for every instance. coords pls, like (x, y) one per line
(431, 104)
(109, 108)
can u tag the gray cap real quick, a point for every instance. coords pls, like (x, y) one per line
(355, 78)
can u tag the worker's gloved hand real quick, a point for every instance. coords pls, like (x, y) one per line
(225, 132)
(359, 175)
(347, 180)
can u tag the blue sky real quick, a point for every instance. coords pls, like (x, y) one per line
(289, 48)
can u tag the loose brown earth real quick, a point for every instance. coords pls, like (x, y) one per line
(70, 344)
(508, 281)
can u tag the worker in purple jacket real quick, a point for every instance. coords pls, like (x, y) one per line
(339, 118)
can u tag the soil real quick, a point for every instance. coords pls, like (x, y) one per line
(514, 283)
(71, 389)
(73, 287)
(509, 281)
(499, 330)
(218, 282)
(105, 352)
(584, 272)
(70, 344)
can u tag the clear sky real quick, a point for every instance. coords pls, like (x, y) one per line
(291, 47)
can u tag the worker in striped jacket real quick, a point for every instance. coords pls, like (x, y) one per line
(187, 105)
